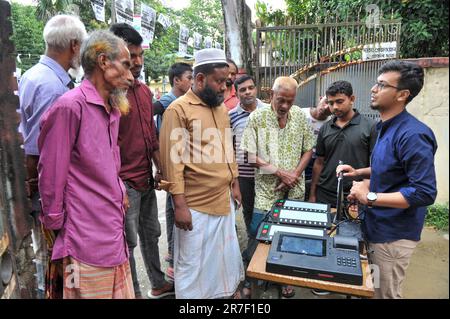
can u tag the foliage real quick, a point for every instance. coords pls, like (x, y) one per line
(438, 216)
(269, 17)
(27, 35)
(204, 17)
(425, 28)
(423, 22)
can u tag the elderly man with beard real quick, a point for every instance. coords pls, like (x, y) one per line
(198, 163)
(39, 87)
(138, 148)
(82, 194)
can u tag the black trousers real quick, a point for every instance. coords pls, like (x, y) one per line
(247, 186)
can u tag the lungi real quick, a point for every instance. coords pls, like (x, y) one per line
(82, 281)
(207, 260)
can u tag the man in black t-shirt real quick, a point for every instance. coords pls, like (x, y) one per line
(348, 137)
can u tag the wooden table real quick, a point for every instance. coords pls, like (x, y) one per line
(257, 269)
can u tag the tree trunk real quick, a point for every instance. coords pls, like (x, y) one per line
(238, 33)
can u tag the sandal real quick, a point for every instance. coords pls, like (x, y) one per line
(287, 291)
(246, 293)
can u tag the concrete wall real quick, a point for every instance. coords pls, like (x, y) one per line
(431, 107)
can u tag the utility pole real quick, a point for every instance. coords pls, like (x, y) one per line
(113, 11)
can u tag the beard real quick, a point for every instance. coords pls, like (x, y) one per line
(75, 63)
(120, 101)
(211, 98)
(76, 71)
(229, 83)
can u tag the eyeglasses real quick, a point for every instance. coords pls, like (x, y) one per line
(380, 86)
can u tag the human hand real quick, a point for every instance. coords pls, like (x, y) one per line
(347, 170)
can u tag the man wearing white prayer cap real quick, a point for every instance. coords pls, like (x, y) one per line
(201, 172)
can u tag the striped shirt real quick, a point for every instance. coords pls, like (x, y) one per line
(238, 120)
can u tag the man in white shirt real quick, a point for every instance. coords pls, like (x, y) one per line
(317, 116)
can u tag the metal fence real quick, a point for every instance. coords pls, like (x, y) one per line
(292, 50)
(362, 76)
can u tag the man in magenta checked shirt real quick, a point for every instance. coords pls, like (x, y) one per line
(83, 197)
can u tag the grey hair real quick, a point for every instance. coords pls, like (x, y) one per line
(284, 82)
(61, 29)
(99, 42)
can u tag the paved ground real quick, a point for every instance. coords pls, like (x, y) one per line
(427, 275)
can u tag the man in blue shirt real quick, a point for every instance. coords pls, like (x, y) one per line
(402, 176)
(181, 80)
(39, 87)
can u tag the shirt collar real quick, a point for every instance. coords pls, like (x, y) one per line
(91, 93)
(136, 83)
(356, 119)
(57, 68)
(240, 110)
(194, 99)
(393, 121)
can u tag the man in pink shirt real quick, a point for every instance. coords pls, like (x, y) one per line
(83, 197)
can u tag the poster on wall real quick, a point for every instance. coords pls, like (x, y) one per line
(148, 23)
(208, 43)
(137, 24)
(183, 42)
(197, 41)
(124, 11)
(164, 20)
(98, 6)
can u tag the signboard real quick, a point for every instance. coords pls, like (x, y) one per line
(197, 41)
(137, 25)
(184, 37)
(208, 43)
(148, 23)
(376, 51)
(98, 6)
(165, 21)
(124, 11)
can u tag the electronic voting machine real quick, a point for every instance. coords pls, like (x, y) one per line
(327, 258)
(295, 216)
(301, 246)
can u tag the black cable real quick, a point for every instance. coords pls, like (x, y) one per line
(345, 220)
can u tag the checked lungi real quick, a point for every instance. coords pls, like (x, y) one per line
(82, 281)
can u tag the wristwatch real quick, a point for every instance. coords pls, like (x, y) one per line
(371, 198)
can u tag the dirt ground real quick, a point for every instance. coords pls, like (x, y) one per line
(427, 275)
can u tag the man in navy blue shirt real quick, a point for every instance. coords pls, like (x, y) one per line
(402, 176)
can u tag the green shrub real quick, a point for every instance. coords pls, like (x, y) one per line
(438, 216)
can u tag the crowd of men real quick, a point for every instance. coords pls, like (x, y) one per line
(95, 157)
